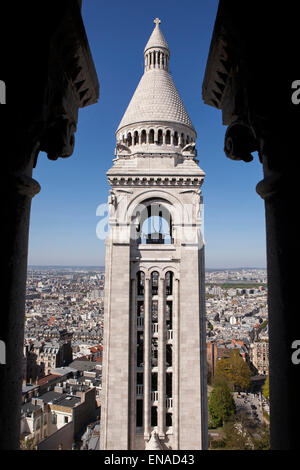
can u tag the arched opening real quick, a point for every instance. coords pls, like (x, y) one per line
(151, 136)
(168, 137)
(143, 137)
(182, 140)
(129, 139)
(154, 225)
(175, 138)
(160, 137)
(136, 138)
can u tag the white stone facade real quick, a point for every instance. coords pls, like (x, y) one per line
(154, 358)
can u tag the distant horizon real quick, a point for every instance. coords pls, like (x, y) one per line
(103, 266)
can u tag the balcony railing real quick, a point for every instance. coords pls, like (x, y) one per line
(140, 322)
(155, 239)
(139, 390)
(154, 328)
(169, 403)
(154, 396)
(169, 334)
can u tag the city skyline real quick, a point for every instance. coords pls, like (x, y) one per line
(63, 219)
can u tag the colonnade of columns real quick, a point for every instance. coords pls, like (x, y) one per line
(156, 59)
(161, 368)
(154, 136)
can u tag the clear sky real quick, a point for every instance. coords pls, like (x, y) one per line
(64, 218)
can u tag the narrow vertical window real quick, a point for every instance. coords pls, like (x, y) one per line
(151, 136)
(143, 136)
(168, 137)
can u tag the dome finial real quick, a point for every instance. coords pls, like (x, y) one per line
(157, 21)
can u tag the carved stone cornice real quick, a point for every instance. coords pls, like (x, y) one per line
(72, 84)
(147, 181)
(49, 75)
(240, 80)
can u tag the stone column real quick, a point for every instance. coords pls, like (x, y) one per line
(147, 360)
(161, 378)
(133, 342)
(18, 190)
(279, 189)
(175, 361)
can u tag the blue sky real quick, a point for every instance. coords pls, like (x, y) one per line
(63, 216)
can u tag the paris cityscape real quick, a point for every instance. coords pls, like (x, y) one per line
(63, 348)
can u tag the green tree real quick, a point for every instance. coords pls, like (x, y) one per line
(237, 433)
(221, 404)
(234, 370)
(262, 440)
(266, 389)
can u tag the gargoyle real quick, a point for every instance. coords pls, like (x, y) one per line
(189, 147)
(120, 147)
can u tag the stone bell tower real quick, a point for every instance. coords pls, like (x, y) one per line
(154, 367)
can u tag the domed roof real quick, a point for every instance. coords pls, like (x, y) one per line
(156, 97)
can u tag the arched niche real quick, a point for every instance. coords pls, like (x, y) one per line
(153, 223)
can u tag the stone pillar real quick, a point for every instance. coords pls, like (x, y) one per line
(147, 360)
(133, 336)
(161, 378)
(279, 189)
(18, 192)
(175, 361)
(40, 115)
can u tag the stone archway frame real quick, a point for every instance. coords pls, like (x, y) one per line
(171, 203)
